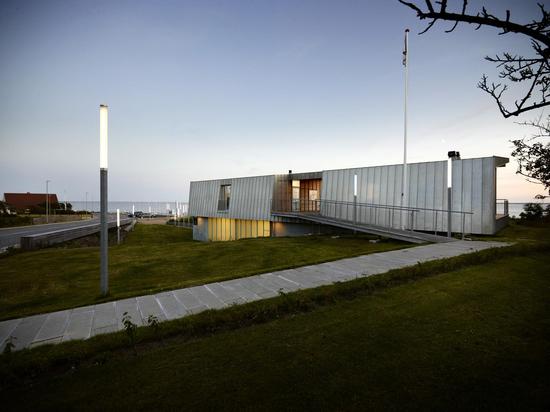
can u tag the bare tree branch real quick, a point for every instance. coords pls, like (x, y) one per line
(514, 69)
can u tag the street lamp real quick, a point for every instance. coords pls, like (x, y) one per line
(104, 233)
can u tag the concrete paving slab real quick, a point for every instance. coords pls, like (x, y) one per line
(339, 271)
(257, 288)
(170, 305)
(236, 287)
(189, 301)
(130, 307)
(53, 327)
(206, 297)
(303, 280)
(343, 268)
(226, 295)
(104, 318)
(26, 330)
(262, 281)
(325, 275)
(148, 306)
(273, 281)
(336, 276)
(84, 309)
(6, 329)
(79, 326)
(45, 342)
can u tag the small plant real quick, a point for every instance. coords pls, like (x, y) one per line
(8, 348)
(153, 322)
(130, 328)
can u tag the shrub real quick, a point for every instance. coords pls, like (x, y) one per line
(532, 211)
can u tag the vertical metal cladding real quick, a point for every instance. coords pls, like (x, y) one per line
(381, 185)
(474, 190)
(250, 198)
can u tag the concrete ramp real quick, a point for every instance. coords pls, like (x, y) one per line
(392, 233)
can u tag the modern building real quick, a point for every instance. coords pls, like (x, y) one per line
(366, 199)
(26, 202)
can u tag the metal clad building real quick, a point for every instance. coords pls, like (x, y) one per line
(228, 209)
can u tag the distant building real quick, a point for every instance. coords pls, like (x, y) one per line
(26, 202)
(366, 199)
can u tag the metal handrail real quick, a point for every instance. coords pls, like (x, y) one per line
(375, 205)
(338, 212)
(505, 205)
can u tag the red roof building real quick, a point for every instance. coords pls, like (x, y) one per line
(22, 201)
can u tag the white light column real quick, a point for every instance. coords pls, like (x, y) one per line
(118, 226)
(354, 200)
(103, 157)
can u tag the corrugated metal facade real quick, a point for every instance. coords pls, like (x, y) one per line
(474, 190)
(382, 185)
(250, 198)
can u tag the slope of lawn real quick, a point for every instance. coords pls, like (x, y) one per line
(154, 258)
(476, 338)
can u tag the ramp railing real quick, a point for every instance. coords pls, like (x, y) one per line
(382, 215)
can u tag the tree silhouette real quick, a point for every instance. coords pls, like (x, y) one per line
(533, 71)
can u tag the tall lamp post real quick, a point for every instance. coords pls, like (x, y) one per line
(104, 241)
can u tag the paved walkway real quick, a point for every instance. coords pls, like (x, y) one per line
(88, 321)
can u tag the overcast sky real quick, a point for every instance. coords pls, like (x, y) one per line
(208, 89)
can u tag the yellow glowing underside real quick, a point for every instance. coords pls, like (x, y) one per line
(220, 229)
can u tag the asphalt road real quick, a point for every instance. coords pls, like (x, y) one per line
(11, 236)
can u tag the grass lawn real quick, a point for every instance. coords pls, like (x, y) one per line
(518, 231)
(476, 338)
(155, 258)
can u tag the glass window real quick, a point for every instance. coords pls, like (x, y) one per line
(313, 194)
(225, 196)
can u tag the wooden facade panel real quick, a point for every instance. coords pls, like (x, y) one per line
(224, 229)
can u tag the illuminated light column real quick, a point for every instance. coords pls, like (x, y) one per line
(104, 242)
(118, 226)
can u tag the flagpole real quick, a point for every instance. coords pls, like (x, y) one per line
(404, 192)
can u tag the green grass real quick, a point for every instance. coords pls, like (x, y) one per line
(13, 221)
(465, 333)
(155, 258)
(518, 231)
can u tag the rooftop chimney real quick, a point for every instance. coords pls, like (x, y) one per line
(453, 155)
